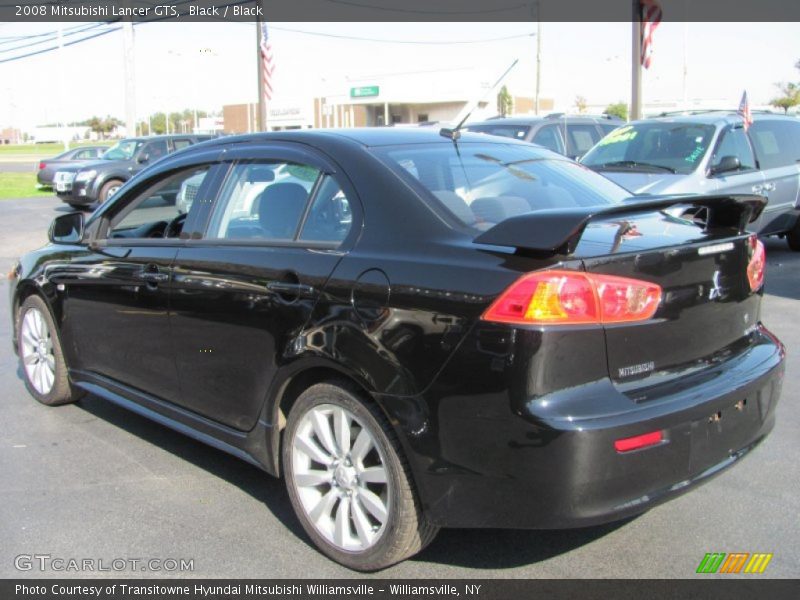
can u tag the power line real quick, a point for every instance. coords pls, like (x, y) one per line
(415, 42)
(430, 12)
(51, 38)
(72, 43)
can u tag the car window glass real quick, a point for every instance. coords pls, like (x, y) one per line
(181, 144)
(607, 128)
(517, 132)
(663, 144)
(777, 143)
(734, 143)
(149, 214)
(155, 150)
(262, 201)
(329, 218)
(484, 184)
(580, 139)
(549, 138)
(85, 154)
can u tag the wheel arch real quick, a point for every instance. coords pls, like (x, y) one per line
(26, 288)
(294, 382)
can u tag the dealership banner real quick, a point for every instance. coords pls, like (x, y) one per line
(391, 10)
(380, 589)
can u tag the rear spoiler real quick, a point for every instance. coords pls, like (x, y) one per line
(557, 231)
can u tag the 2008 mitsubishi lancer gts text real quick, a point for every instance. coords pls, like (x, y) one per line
(416, 329)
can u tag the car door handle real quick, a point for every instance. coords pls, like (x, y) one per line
(290, 288)
(757, 189)
(768, 187)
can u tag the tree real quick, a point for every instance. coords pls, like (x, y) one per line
(505, 103)
(790, 96)
(620, 109)
(580, 104)
(96, 125)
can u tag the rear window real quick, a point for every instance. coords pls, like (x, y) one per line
(676, 147)
(777, 142)
(518, 132)
(483, 184)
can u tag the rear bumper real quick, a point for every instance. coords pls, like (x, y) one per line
(487, 459)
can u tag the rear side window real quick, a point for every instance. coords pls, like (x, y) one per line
(263, 201)
(734, 143)
(481, 185)
(518, 132)
(329, 218)
(777, 143)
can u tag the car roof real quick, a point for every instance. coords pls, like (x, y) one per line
(365, 136)
(554, 118)
(715, 117)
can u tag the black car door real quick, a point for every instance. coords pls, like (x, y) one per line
(243, 292)
(117, 294)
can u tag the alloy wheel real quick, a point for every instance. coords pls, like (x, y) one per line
(37, 351)
(340, 476)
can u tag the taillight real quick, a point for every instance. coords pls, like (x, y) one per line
(41, 165)
(757, 262)
(574, 298)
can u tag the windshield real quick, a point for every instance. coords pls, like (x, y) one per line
(652, 147)
(483, 184)
(123, 150)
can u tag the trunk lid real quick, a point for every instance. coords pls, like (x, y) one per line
(707, 308)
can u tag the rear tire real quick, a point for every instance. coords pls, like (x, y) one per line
(349, 482)
(40, 355)
(793, 237)
(108, 189)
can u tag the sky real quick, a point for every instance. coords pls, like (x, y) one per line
(182, 65)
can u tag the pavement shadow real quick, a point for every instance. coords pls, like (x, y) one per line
(258, 484)
(783, 267)
(508, 548)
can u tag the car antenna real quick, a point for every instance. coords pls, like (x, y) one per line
(455, 132)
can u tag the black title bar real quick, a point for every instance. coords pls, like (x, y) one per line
(755, 11)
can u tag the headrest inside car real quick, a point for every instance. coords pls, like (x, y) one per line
(260, 174)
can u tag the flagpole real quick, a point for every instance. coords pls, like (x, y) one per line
(636, 61)
(262, 105)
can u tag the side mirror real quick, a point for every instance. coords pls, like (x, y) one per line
(143, 158)
(67, 229)
(726, 164)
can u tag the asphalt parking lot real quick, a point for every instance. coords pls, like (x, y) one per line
(91, 480)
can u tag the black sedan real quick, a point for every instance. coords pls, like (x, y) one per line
(47, 167)
(415, 329)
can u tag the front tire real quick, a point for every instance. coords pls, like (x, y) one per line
(109, 189)
(349, 482)
(40, 355)
(793, 237)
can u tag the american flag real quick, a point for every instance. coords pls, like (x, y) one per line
(744, 110)
(651, 18)
(267, 62)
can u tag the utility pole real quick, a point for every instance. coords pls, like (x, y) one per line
(130, 77)
(636, 61)
(262, 108)
(61, 68)
(538, 63)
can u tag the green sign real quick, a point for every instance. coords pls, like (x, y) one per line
(367, 91)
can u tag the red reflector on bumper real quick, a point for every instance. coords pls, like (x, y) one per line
(638, 441)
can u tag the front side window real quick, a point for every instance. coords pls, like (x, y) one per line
(154, 150)
(263, 201)
(734, 143)
(484, 184)
(657, 147)
(155, 213)
(549, 138)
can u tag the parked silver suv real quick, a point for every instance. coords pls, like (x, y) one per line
(711, 153)
(570, 135)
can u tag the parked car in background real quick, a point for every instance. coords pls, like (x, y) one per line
(570, 135)
(711, 153)
(387, 319)
(95, 181)
(48, 166)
